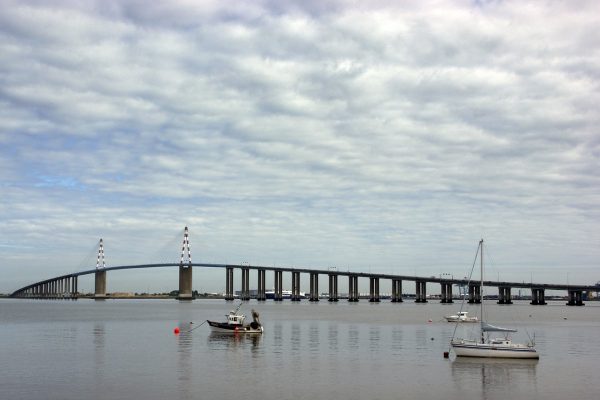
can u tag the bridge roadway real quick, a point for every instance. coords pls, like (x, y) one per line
(65, 286)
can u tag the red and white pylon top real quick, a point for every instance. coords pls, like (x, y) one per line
(186, 245)
(101, 255)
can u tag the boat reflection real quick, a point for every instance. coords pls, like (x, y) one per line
(492, 374)
(227, 340)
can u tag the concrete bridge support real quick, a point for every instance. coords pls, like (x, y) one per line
(538, 296)
(333, 287)
(575, 298)
(353, 293)
(261, 292)
(63, 288)
(421, 292)
(396, 291)
(314, 286)
(229, 283)
(447, 292)
(474, 294)
(74, 289)
(295, 286)
(278, 283)
(245, 292)
(504, 296)
(99, 287)
(185, 283)
(374, 290)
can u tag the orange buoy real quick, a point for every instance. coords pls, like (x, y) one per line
(176, 330)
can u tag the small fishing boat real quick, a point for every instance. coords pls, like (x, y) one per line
(461, 316)
(235, 324)
(487, 347)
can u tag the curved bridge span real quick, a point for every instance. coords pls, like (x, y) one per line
(65, 286)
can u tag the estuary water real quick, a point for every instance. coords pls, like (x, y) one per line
(126, 349)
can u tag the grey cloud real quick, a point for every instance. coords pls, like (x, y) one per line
(385, 135)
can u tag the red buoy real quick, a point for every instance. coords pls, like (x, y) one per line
(176, 330)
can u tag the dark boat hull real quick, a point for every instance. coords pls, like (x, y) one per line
(224, 327)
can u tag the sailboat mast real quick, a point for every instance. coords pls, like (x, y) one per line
(481, 286)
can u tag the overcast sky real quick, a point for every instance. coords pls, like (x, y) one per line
(369, 136)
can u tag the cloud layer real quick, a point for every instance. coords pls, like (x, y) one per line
(380, 136)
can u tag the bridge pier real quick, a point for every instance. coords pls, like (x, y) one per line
(261, 293)
(185, 283)
(538, 296)
(314, 286)
(278, 283)
(99, 286)
(245, 292)
(396, 291)
(353, 293)
(575, 298)
(421, 292)
(295, 286)
(446, 292)
(474, 293)
(333, 287)
(504, 296)
(228, 283)
(74, 293)
(374, 290)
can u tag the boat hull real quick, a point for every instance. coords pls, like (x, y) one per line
(487, 350)
(466, 320)
(223, 327)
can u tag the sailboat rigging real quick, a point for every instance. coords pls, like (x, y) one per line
(496, 347)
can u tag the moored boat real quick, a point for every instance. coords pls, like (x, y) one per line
(461, 316)
(235, 324)
(487, 347)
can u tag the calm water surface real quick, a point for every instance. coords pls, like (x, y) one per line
(126, 349)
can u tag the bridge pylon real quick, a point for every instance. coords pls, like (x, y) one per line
(100, 275)
(185, 269)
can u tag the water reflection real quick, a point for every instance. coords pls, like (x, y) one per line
(374, 339)
(99, 339)
(332, 336)
(98, 336)
(295, 338)
(493, 374)
(313, 339)
(397, 338)
(353, 338)
(228, 341)
(184, 362)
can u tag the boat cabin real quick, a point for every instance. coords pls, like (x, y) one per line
(235, 319)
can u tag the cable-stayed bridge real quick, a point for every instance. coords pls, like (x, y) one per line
(66, 286)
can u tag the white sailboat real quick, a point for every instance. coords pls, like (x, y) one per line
(492, 347)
